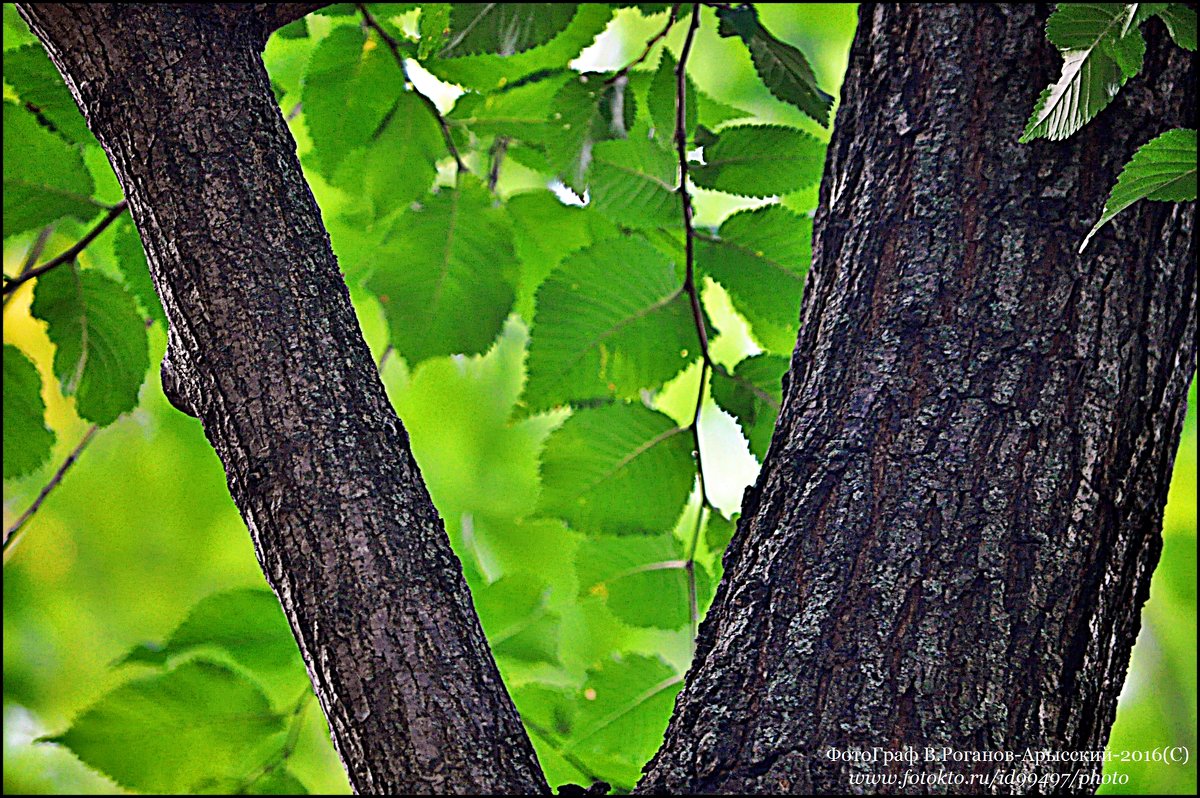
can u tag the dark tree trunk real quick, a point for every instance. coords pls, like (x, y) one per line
(954, 531)
(265, 349)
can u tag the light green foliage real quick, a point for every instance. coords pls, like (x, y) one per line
(617, 469)
(761, 256)
(545, 365)
(447, 273)
(752, 394)
(100, 353)
(27, 439)
(351, 85)
(29, 71)
(503, 28)
(131, 261)
(611, 320)
(197, 727)
(1161, 169)
(44, 177)
(760, 161)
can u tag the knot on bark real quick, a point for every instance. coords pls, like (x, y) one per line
(178, 380)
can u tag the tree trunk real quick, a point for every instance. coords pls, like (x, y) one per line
(955, 527)
(265, 349)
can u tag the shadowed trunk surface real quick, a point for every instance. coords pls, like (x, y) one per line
(954, 531)
(265, 349)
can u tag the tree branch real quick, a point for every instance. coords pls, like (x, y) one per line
(13, 283)
(13, 535)
(655, 39)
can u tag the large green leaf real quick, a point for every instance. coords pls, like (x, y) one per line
(247, 624)
(504, 28)
(446, 274)
(643, 580)
(586, 110)
(351, 85)
(760, 161)
(487, 72)
(1164, 168)
(1097, 60)
(633, 183)
(783, 69)
(27, 439)
(521, 112)
(399, 163)
(621, 716)
(28, 70)
(135, 271)
(544, 232)
(515, 615)
(99, 337)
(175, 732)
(1180, 20)
(761, 257)
(617, 469)
(610, 321)
(44, 177)
(752, 394)
(660, 98)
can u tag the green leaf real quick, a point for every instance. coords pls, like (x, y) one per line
(760, 161)
(521, 112)
(487, 72)
(504, 28)
(42, 90)
(761, 256)
(633, 183)
(247, 624)
(718, 531)
(1162, 169)
(661, 102)
(643, 580)
(617, 469)
(517, 619)
(610, 321)
(582, 114)
(752, 394)
(100, 341)
(27, 439)
(1097, 61)
(544, 232)
(447, 273)
(44, 177)
(622, 715)
(277, 782)
(783, 69)
(399, 163)
(1180, 20)
(174, 731)
(351, 86)
(432, 26)
(131, 260)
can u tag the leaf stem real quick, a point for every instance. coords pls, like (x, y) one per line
(13, 283)
(394, 46)
(689, 285)
(655, 39)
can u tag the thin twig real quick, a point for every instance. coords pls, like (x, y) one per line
(113, 213)
(35, 252)
(12, 535)
(570, 758)
(689, 285)
(655, 39)
(394, 46)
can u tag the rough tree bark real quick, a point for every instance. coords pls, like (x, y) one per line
(265, 349)
(954, 530)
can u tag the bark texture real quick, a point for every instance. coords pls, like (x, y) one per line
(954, 530)
(265, 349)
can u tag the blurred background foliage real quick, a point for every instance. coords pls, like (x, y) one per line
(143, 527)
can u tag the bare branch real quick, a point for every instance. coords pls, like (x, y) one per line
(655, 39)
(12, 535)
